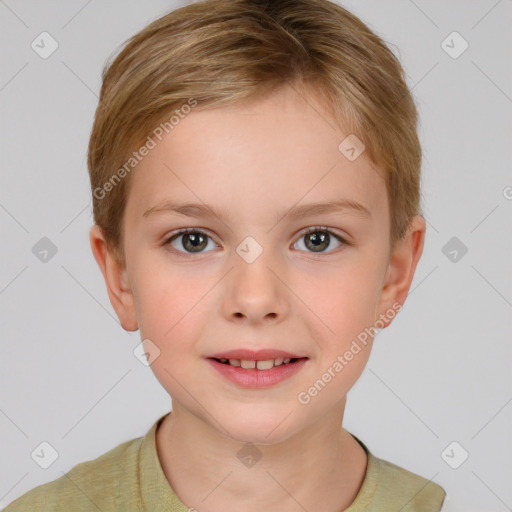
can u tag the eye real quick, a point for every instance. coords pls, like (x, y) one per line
(192, 240)
(318, 238)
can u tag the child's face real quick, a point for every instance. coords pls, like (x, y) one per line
(254, 165)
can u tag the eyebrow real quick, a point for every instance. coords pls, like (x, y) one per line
(201, 210)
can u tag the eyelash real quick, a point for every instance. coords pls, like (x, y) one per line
(308, 231)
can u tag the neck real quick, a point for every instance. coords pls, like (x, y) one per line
(321, 467)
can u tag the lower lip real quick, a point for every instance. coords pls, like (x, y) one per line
(254, 378)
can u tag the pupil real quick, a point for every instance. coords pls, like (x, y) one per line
(194, 241)
(319, 239)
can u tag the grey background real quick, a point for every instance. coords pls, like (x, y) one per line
(440, 373)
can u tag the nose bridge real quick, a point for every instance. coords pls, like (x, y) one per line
(256, 291)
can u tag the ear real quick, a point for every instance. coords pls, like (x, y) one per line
(401, 268)
(116, 279)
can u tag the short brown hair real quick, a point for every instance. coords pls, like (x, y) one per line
(228, 52)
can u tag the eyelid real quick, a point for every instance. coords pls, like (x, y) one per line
(302, 232)
(182, 231)
(343, 238)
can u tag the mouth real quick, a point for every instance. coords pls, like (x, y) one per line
(257, 373)
(267, 364)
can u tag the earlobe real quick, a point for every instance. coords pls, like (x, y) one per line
(401, 269)
(116, 280)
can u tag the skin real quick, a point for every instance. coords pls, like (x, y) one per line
(254, 162)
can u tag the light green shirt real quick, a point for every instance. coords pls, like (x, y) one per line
(129, 478)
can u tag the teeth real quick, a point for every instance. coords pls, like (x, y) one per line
(260, 365)
(265, 365)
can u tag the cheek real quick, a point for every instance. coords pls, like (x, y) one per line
(172, 312)
(340, 303)
(167, 305)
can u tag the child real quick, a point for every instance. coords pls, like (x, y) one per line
(255, 172)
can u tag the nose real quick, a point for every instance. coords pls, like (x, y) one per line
(256, 293)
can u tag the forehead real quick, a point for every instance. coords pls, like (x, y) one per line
(261, 156)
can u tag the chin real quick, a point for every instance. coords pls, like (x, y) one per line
(263, 428)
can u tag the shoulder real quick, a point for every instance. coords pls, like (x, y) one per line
(407, 490)
(102, 484)
(388, 487)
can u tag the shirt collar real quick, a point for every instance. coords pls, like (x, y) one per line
(155, 491)
(157, 494)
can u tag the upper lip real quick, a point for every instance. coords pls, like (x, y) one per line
(254, 355)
